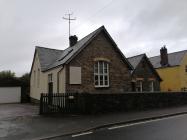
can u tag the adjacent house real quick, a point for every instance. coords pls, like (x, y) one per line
(172, 68)
(144, 76)
(93, 64)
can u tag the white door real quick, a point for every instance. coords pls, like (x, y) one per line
(10, 95)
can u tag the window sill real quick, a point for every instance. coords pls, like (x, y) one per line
(102, 86)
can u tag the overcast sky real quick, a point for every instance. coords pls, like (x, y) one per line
(137, 26)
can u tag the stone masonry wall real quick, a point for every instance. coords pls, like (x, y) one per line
(119, 73)
(144, 71)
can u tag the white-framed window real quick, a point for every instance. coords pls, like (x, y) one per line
(50, 78)
(151, 86)
(38, 78)
(139, 86)
(101, 74)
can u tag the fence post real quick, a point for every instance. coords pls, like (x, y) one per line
(41, 104)
(50, 98)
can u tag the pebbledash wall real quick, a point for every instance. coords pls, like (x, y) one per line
(174, 78)
(183, 72)
(100, 48)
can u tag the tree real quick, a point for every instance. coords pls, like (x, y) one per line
(7, 74)
(25, 79)
(8, 78)
(25, 82)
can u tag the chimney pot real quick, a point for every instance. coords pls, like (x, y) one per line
(164, 56)
(73, 40)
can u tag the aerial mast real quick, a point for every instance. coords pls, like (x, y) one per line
(69, 19)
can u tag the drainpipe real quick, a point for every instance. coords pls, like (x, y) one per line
(58, 79)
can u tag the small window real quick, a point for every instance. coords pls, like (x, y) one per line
(151, 86)
(133, 84)
(186, 68)
(50, 78)
(101, 74)
(139, 87)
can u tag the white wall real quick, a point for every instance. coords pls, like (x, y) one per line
(42, 87)
(10, 94)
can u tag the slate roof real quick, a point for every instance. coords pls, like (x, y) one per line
(174, 59)
(47, 56)
(135, 60)
(51, 58)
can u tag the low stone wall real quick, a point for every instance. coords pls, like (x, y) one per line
(129, 101)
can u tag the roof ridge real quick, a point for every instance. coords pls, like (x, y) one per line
(169, 53)
(93, 32)
(101, 27)
(48, 48)
(136, 55)
(70, 52)
(70, 49)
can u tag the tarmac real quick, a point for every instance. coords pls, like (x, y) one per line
(31, 126)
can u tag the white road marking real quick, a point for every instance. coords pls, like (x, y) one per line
(144, 122)
(81, 134)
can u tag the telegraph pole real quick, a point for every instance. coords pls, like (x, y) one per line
(69, 19)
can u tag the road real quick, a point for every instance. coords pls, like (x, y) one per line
(171, 128)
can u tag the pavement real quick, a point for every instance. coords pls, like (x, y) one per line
(26, 124)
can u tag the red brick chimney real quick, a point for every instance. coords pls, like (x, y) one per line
(73, 40)
(164, 56)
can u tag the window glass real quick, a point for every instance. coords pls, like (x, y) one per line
(50, 78)
(105, 68)
(96, 80)
(106, 80)
(101, 67)
(101, 74)
(151, 86)
(139, 86)
(96, 68)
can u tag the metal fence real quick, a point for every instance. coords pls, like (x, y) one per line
(58, 103)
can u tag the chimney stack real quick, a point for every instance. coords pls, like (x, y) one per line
(72, 40)
(164, 56)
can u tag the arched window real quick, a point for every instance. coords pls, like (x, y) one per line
(101, 74)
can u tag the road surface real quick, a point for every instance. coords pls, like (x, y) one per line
(171, 128)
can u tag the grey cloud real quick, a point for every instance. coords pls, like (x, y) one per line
(136, 26)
